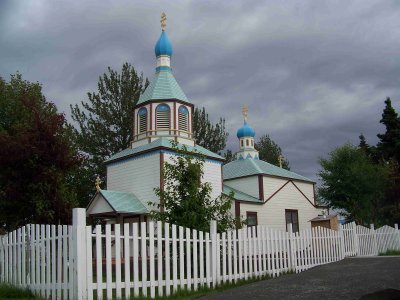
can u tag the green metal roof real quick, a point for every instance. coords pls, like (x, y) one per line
(238, 195)
(247, 167)
(124, 202)
(163, 86)
(162, 142)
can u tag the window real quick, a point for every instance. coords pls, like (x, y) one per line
(292, 216)
(252, 143)
(142, 120)
(247, 142)
(162, 117)
(251, 218)
(241, 142)
(183, 115)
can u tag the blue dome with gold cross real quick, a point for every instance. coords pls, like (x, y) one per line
(245, 131)
(163, 46)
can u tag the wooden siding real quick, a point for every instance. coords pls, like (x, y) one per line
(139, 176)
(99, 205)
(248, 185)
(212, 174)
(272, 213)
(271, 185)
(307, 189)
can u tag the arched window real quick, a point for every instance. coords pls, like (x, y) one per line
(242, 143)
(183, 116)
(252, 143)
(163, 117)
(247, 142)
(142, 120)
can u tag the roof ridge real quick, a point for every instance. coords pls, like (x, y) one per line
(257, 167)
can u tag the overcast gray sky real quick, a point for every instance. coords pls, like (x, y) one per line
(313, 73)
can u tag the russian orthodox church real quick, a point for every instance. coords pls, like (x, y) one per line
(263, 193)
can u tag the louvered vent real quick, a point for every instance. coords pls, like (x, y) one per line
(183, 114)
(142, 115)
(183, 121)
(162, 117)
(142, 123)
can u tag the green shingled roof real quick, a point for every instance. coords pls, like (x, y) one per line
(238, 195)
(247, 167)
(163, 86)
(160, 143)
(124, 202)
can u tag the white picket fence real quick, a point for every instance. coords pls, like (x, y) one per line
(363, 241)
(39, 257)
(158, 258)
(150, 259)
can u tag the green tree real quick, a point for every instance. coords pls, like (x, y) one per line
(351, 181)
(270, 151)
(186, 200)
(105, 122)
(36, 157)
(206, 134)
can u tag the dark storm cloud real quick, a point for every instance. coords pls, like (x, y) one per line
(314, 73)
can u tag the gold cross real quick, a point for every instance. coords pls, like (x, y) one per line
(163, 21)
(245, 111)
(98, 182)
(280, 158)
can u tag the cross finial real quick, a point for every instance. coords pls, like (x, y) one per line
(98, 182)
(163, 21)
(280, 158)
(245, 111)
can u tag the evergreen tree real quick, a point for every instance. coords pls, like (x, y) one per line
(269, 151)
(206, 134)
(186, 200)
(389, 142)
(229, 156)
(388, 149)
(37, 158)
(363, 144)
(105, 122)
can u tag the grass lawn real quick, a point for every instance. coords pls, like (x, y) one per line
(390, 253)
(202, 291)
(10, 292)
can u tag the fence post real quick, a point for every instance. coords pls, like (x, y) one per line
(396, 226)
(341, 241)
(213, 236)
(293, 262)
(79, 253)
(355, 238)
(374, 243)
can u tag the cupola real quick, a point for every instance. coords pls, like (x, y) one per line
(163, 110)
(246, 136)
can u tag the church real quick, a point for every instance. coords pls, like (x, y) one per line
(264, 194)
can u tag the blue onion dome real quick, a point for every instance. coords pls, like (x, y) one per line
(163, 46)
(245, 131)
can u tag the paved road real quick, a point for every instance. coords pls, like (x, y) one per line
(351, 278)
